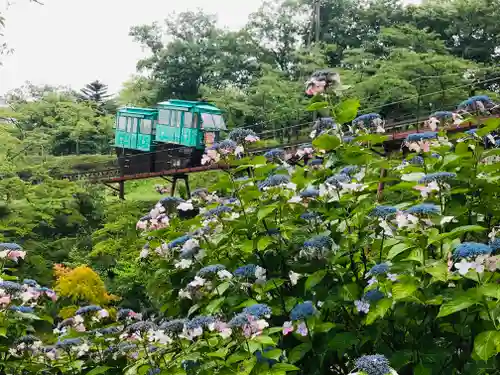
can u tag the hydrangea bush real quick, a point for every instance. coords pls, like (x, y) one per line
(298, 269)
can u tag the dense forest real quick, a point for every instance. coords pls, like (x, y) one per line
(401, 61)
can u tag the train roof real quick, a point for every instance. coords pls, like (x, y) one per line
(138, 111)
(176, 103)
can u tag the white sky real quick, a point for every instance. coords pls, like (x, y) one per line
(73, 42)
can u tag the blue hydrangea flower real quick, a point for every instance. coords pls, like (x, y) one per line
(366, 119)
(199, 191)
(383, 211)
(379, 269)
(109, 330)
(416, 137)
(275, 154)
(88, 309)
(239, 320)
(349, 170)
(316, 162)
(485, 99)
(189, 253)
(10, 246)
(153, 371)
(30, 282)
(302, 311)
(10, 286)
(217, 211)
(471, 250)
(178, 241)
(142, 326)
(258, 310)
(416, 160)
(373, 364)
(169, 201)
(210, 270)
(471, 131)
(68, 343)
(238, 135)
(319, 242)
(495, 244)
(424, 209)
(348, 139)
(309, 193)
(199, 322)
(274, 180)
(438, 177)
(324, 123)
(441, 115)
(227, 144)
(435, 155)
(337, 180)
(309, 216)
(124, 313)
(173, 326)
(246, 271)
(373, 295)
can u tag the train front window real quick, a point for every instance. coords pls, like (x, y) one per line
(207, 120)
(219, 122)
(211, 121)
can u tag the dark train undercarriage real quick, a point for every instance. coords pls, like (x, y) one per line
(165, 157)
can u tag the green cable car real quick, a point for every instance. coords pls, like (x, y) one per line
(174, 135)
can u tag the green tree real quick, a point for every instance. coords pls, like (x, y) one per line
(199, 53)
(95, 91)
(469, 28)
(139, 91)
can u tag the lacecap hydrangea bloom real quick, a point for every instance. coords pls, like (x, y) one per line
(302, 311)
(471, 250)
(379, 269)
(416, 137)
(258, 310)
(438, 177)
(274, 180)
(383, 211)
(375, 364)
(424, 209)
(210, 270)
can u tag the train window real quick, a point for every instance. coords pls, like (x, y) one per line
(219, 121)
(208, 120)
(176, 119)
(132, 125)
(188, 120)
(145, 126)
(122, 123)
(164, 117)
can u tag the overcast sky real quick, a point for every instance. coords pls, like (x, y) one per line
(73, 42)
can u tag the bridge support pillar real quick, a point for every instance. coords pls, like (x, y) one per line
(184, 177)
(121, 192)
